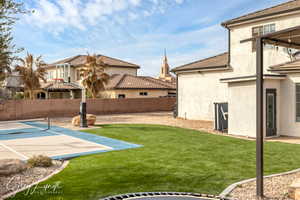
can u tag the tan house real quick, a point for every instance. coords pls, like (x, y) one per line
(129, 86)
(63, 76)
(69, 69)
(222, 88)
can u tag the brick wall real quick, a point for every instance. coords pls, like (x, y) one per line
(29, 109)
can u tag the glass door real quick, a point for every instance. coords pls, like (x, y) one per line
(271, 112)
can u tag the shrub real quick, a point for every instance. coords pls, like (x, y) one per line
(19, 95)
(40, 161)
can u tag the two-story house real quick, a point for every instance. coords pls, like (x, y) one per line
(222, 88)
(64, 81)
(63, 76)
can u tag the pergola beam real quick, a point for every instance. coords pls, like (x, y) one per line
(279, 42)
(289, 38)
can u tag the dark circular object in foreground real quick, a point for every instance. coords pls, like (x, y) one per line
(164, 196)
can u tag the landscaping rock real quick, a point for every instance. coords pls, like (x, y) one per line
(294, 190)
(11, 166)
(91, 119)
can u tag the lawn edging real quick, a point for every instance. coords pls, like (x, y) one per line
(62, 167)
(231, 187)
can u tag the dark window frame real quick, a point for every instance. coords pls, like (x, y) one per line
(261, 31)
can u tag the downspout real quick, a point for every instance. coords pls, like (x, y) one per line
(176, 95)
(229, 45)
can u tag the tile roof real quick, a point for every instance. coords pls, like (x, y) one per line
(60, 86)
(289, 6)
(216, 62)
(287, 66)
(81, 59)
(126, 81)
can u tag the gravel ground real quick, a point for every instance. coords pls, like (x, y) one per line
(163, 118)
(276, 188)
(17, 181)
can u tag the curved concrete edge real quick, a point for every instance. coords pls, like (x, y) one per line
(64, 165)
(230, 188)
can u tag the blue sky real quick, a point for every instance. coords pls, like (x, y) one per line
(132, 30)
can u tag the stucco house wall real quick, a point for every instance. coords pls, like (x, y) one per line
(134, 93)
(197, 91)
(243, 60)
(196, 101)
(241, 108)
(288, 124)
(108, 70)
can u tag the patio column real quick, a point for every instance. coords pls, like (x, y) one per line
(259, 119)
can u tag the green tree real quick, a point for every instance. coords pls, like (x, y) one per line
(93, 75)
(9, 9)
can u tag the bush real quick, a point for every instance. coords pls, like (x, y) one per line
(40, 161)
(19, 95)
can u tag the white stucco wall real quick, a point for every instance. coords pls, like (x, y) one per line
(288, 124)
(113, 94)
(243, 60)
(197, 93)
(241, 108)
(108, 70)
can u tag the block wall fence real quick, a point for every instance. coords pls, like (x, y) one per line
(30, 109)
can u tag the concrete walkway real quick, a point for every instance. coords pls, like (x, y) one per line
(163, 118)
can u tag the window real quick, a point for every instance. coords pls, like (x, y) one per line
(143, 93)
(50, 75)
(61, 73)
(121, 96)
(298, 102)
(261, 30)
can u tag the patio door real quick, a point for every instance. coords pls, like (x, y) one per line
(271, 112)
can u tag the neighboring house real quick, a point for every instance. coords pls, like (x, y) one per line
(59, 90)
(222, 88)
(129, 86)
(69, 69)
(10, 86)
(63, 77)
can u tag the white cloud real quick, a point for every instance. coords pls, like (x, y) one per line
(179, 1)
(58, 15)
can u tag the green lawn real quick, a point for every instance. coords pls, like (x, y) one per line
(172, 159)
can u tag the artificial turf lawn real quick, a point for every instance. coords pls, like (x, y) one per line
(171, 159)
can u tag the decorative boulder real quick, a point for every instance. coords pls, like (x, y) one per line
(294, 190)
(11, 166)
(91, 119)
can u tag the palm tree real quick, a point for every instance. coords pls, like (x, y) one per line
(93, 75)
(31, 71)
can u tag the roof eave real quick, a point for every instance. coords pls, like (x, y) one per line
(228, 23)
(204, 69)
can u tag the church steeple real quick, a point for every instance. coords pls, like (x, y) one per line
(165, 68)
